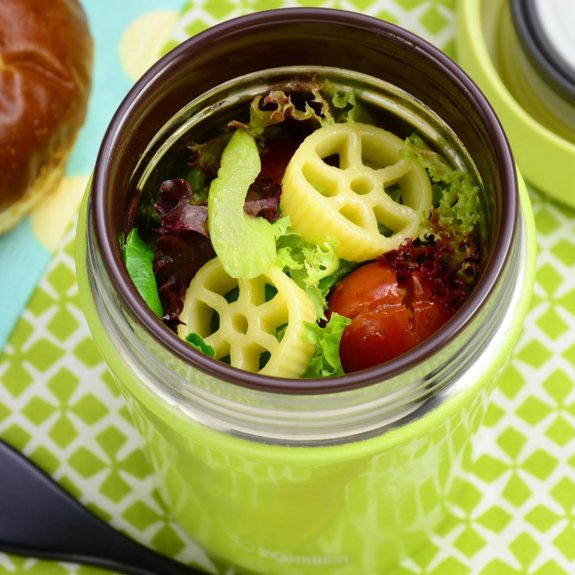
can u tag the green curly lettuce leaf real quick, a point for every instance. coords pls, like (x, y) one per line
(457, 207)
(344, 106)
(328, 282)
(326, 361)
(323, 102)
(307, 264)
(298, 101)
(206, 157)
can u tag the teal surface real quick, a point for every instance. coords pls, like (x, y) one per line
(23, 259)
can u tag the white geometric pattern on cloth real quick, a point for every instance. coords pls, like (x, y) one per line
(517, 512)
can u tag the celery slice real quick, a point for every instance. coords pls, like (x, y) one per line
(244, 244)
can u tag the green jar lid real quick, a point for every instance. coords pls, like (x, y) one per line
(521, 55)
(546, 31)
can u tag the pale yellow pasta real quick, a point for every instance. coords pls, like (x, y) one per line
(346, 197)
(250, 327)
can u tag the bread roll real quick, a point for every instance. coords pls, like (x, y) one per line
(46, 57)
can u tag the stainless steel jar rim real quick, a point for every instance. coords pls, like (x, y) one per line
(143, 94)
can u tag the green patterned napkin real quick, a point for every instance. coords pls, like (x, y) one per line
(517, 513)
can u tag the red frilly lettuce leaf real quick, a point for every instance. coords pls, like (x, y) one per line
(182, 247)
(177, 213)
(451, 271)
(179, 255)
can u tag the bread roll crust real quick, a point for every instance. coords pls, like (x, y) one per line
(46, 57)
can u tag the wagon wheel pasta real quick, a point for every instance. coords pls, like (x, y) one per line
(250, 321)
(337, 185)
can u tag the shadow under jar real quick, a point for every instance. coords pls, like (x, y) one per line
(338, 476)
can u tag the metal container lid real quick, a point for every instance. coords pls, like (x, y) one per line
(546, 31)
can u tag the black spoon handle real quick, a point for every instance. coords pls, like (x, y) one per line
(39, 519)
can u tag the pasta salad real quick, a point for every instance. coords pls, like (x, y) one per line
(304, 239)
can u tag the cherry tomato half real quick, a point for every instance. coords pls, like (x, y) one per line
(388, 318)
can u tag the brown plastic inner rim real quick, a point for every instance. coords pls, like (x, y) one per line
(300, 36)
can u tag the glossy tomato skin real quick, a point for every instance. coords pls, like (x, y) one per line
(376, 337)
(369, 286)
(388, 317)
(428, 317)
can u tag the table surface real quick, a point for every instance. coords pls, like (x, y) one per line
(59, 405)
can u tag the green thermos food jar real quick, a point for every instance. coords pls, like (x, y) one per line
(284, 476)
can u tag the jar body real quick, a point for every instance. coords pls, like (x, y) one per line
(348, 511)
(275, 508)
(278, 477)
